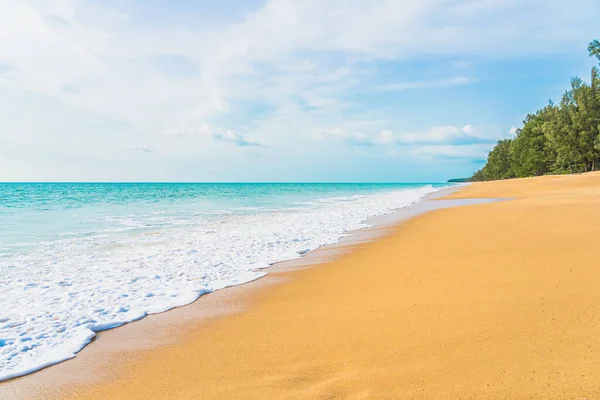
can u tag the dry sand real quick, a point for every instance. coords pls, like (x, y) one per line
(489, 301)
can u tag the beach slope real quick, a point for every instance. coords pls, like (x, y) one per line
(488, 301)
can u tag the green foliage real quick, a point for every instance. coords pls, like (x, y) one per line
(594, 49)
(563, 138)
(499, 165)
(530, 151)
(478, 176)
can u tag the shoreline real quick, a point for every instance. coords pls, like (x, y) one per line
(52, 376)
(489, 301)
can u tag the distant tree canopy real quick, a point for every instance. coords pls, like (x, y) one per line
(563, 138)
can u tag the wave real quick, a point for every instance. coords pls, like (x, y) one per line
(60, 294)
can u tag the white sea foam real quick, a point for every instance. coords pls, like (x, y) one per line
(54, 298)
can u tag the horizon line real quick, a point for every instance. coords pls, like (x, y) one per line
(232, 182)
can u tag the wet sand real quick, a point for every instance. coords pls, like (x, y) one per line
(487, 301)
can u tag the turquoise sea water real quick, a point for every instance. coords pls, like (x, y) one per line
(76, 258)
(31, 212)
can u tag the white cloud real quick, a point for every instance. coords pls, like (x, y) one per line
(468, 134)
(442, 135)
(174, 87)
(351, 137)
(434, 135)
(110, 64)
(385, 137)
(236, 138)
(437, 135)
(472, 151)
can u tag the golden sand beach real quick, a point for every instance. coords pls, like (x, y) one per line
(488, 301)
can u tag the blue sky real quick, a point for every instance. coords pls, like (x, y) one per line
(278, 90)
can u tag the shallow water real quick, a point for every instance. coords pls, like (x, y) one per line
(79, 258)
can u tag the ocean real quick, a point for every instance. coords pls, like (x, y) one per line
(78, 258)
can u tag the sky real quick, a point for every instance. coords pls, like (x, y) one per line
(276, 90)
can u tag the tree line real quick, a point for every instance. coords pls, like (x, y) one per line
(558, 139)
